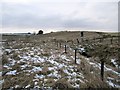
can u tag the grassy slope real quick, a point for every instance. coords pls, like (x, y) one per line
(45, 46)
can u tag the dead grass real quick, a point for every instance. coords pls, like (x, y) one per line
(62, 84)
(4, 59)
(50, 43)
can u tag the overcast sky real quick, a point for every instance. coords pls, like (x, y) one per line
(52, 15)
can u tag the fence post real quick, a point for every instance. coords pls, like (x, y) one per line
(60, 45)
(82, 34)
(102, 70)
(65, 49)
(78, 41)
(75, 55)
(111, 40)
(57, 44)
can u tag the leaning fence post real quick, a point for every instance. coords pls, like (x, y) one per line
(102, 70)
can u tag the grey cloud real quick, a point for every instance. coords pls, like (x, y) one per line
(83, 23)
(40, 16)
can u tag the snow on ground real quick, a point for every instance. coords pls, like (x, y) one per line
(12, 62)
(35, 69)
(114, 62)
(31, 56)
(7, 67)
(28, 86)
(63, 57)
(39, 76)
(112, 84)
(11, 72)
(1, 82)
(24, 66)
(54, 75)
(109, 69)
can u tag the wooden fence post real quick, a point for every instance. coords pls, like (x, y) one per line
(82, 34)
(75, 55)
(60, 45)
(65, 49)
(57, 44)
(111, 40)
(102, 70)
(78, 41)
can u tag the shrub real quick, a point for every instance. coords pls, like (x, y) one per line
(40, 32)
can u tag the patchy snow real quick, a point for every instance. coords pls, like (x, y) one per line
(76, 85)
(54, 74)
(80, 80)
(51, 68)
(113, 85)
(78, 61)
(12, 62)
(52, 61)
(98, 65)
(110, 78)
(66, 71)
(31, 55)
(35, 80)
(27, 86)
(8, 50)
(23, 66)
(35, 69)
(117, 86)
(65, 58)
(11, 72)
(105, 67)
(25, 57)
(36, 83)
(29, 71)
(38, 60)
(81, 49)
(72, 57)
(37, 87)
(7, 67)
(109, 69)
(1, 81)
(74, 74)
(81, 75)
(39, 76)
(113, 61)
(61, 65)
(17, 86)
(21, 60)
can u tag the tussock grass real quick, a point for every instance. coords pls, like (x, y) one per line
(48, 45)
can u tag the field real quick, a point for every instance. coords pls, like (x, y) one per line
(48, 60)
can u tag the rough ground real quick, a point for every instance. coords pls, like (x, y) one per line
(40, 61)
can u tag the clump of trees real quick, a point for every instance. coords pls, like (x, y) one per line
(40, 32)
